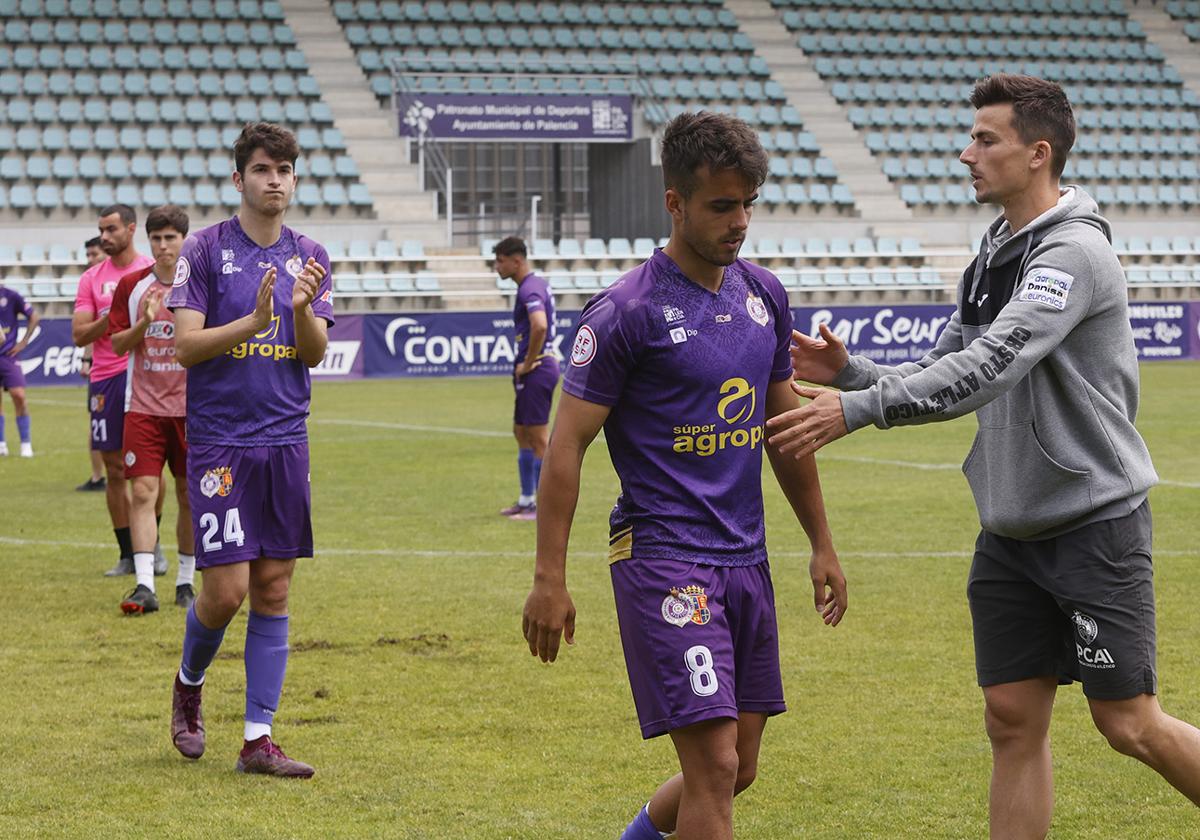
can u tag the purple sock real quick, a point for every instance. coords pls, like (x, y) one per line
(641, 828)
(537, 474)
(266, 661)
(23, 427)
(1, 428)
(200, 645)
(525, 469)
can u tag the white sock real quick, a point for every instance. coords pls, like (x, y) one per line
(526, 500)
(253, 730)
(143, 567)
(186, 681)
(187, 570)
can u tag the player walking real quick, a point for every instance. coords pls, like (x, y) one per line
(680, 361)
(140, 324)
(12, 378)
(252, 301)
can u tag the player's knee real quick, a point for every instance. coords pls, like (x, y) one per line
(223, 602)
(1128, 733)
(144, 493)
(271, 596)
(718, 773)
(1007, 721)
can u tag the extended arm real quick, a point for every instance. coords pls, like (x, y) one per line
(194, 343)
(802, 486)
(548, 609)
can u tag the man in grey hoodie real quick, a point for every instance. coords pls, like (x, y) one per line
(1040, 348)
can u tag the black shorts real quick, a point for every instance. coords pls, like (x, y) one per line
(1079, 606)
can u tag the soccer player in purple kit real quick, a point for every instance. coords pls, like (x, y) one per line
(680, 362)
(535, 374)
(252, 301)
(12, 378)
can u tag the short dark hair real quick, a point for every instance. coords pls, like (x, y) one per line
(167, 216)
(509, 246)
(1040, 111)
(275, 140)
(94, 242)
(128, 216)
(717, 141)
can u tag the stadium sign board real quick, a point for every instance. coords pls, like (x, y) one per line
(481, 343)
(533, 117)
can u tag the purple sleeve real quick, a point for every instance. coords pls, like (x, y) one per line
(605, 350)
(22, 305)
(190, 289)
(533, 299)
(781, 364)
(322, 304)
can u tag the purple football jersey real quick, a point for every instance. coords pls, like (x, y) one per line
(12, 307)
(685, 372)
(533, 295)
(256, 394)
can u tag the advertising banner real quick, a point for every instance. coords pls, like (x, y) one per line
(448, 343)
(532, 117)
(483, 343)
(1164, 330)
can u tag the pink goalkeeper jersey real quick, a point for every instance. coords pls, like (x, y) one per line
(95, 293)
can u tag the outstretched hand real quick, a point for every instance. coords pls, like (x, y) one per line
(307, 282)
(818, 359)
(802, 431)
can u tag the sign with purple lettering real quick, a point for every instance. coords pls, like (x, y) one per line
(888, 335)
(1164, 330)
(448, 343)
(542, 118)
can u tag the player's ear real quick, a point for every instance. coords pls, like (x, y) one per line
(237, 180)
(674, 204)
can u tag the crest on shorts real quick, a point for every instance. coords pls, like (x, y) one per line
(97, 403)
(218, 482)
(688, 605)
(1086, 627)
(757, 310)
(130, 458)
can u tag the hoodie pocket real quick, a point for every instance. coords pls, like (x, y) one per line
(1019, 489)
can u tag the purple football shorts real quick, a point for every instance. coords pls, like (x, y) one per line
(700, 641)
(106, 402)
(11, 375)
(535, 393)
(249, 502)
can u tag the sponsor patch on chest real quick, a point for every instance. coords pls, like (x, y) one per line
(1047, 287)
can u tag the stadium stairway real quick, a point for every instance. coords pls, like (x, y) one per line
(876, 200)
(403, 210)
(1165, 31)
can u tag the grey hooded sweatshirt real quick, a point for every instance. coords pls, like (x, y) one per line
(1041, 349)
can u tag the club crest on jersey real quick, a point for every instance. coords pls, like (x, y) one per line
(183, 270)
(3, 301)
(130, 458)
(584, 348)
(96, 403)
(294, 266)
(218, 482)
(688, 605)
(757, 310)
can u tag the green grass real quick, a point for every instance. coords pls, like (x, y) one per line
(410, 688)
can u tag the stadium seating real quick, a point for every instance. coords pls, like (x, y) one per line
(602, 48)
(184, 88)
(904, 74)
(1188, 13)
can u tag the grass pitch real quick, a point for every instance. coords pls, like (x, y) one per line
(410, 688)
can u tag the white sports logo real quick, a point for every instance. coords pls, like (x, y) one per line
(183, 270)
(584, 349)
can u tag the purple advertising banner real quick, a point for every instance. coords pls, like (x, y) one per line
(482, 343)
(887, 335)
(1164, 330)
(52, 359)
(448, 343)
(518, 117)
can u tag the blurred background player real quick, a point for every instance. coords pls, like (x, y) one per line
(93, 254)
(141, 324)
(680, 361)
(12, 378)
(253, 300)
(106, 386)
(535, 374)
